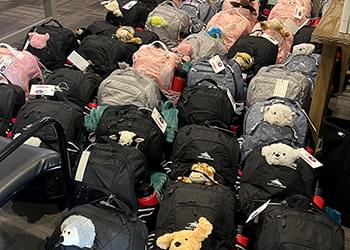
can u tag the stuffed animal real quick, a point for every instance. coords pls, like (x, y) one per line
(186, 239)
(201, 173)
(215, 32)
(78, 231)
(276, 25)
(112, 6)
(280, 154)
(157, 21)
(244, 60)
(126, 138)
(303, 49)
(279, 114)
(38, 41)
(126, 34)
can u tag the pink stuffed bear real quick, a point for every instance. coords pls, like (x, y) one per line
(38, 41)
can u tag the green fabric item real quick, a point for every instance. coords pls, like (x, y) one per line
(46, 74)
(159, 181)
(91, 121)
(186, 66)
(169, 114)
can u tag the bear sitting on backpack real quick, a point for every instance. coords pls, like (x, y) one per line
(280, 154)
(279, 114)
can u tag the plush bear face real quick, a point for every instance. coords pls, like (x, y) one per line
(186, 239)
(280, 154)
(202, 173)
(126, 138)
(279, 114)
(70, 236)
(303, 49)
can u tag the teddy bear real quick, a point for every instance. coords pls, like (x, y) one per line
(280, 154)
(112, 6)
(276, 25)
(38, 41)
(244, 60)
(126, 138)
(303, 49)
(77, 230)
(201, 173)
(186, 239)
(279, 114)
(126, 34)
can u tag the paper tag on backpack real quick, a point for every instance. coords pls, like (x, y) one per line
(42, 89)
(5, 62)
(84, 159)
(281, 88)
(129, 5)
(78, 61)
(159, 120)
(258, 211)
(291, 26)
(298, 12)
(309, 159)
(217, 64)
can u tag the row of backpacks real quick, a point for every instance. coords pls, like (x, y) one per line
(209, 110)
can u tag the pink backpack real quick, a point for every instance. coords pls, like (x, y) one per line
(284, 43)
(297, 11)
(18, 67)
(233, 23)
(157, 63)
(226, 5)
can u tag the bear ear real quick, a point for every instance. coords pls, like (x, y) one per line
(265, 109)
(291, 116)
(265, 151)
(163, 242)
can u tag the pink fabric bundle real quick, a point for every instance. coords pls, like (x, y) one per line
(38, 41)
(18, 67)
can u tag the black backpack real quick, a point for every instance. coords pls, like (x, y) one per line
(105, 52)
(297, 224)
(116, 226)
(111, 169)
(137, 120)
(200, 104)
(184, 203)
(77, 86)
(195, 143)
(261, 181)
(12, 97)
(61, 43)
(68, 114)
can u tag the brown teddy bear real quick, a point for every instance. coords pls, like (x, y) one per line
(186, 239)
(202, 173)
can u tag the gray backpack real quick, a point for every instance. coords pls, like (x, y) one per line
(126, 86)
(230, 78)
(177, 21)
(204, 46)
(278, 80)
(258, 132)
(200, 12)
(305, 64)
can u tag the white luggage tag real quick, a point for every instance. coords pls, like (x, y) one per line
(129, 5)
(309, 159)
(42, 89)
(84, 159)
(78, 61)
(281, 88)
(217, 64)
(298, 12)
(5, 62)
(258, 211)
(159, 120)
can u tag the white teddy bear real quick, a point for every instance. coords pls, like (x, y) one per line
(280, 154)
(303, 49)
(113, 6)
(279, 114)
(79, 231)
(126, 138)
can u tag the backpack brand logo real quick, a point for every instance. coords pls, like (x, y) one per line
(276, 183)
(191, 225)
(205, 156)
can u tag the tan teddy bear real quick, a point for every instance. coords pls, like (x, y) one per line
(112, 6)
(202, 173)
(186, 239)
(279, 114)
(276, 25)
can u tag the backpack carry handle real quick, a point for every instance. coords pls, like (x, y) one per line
(162, 45)
(54, 21)
(169, 3)
(208, 80)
